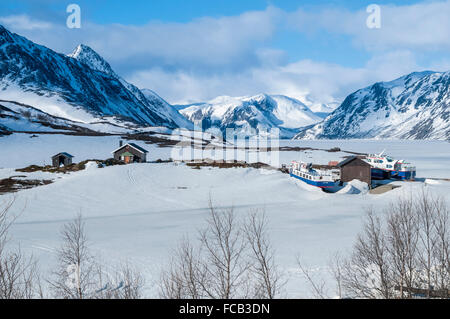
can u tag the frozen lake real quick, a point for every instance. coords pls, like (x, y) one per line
(139, 212)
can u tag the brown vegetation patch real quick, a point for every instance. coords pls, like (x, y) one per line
(13, 184)
(149, 138)
(198, 165)
(70, 168)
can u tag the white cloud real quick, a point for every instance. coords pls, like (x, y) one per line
(422, 26)
(323, 82)
(207, 57)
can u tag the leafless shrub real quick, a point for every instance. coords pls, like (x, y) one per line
(269, 281)
(80, 275)
(19, 277)
(184, 276)
(233, 259)
(336, 268)
(317, 284)
(404, 255)
(75, 275)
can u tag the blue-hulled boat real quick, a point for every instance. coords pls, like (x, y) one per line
(314, 177)
(398, 169)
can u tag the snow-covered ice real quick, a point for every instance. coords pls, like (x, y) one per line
(140, 212)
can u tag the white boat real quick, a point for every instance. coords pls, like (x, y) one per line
(382, 164)
(316, 177)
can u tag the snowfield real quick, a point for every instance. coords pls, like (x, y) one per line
(139, 212)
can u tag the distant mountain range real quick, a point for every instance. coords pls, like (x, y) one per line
(42, 90)
(415, 106)
(250, 115)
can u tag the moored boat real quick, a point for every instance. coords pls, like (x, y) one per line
(398, 169)
(322, 178)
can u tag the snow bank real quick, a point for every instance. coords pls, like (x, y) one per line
(354, 187)
(432, 181)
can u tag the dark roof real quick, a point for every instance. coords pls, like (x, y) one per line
(137, 147)
(63, 154)
(351, 159)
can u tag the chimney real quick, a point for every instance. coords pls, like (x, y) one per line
(120, 143)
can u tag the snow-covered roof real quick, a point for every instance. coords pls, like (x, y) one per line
(136, 147)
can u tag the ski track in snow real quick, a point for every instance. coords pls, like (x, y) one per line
(139, 212)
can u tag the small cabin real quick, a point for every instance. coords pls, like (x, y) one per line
(130, 153)
(62, 159)
(355, 168)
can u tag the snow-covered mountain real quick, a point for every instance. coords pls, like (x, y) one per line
(247, 115)
(415, 106)
(80, 87)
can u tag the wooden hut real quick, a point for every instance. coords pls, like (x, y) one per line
(130, 153)
(62, 159)
(355, 168)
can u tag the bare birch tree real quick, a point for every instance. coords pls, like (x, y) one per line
(268, 281)
(232, 259)
(19, 276)
(403, 255)
(75, 275)
(80, 275)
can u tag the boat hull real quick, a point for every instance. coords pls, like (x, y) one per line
(405, 175)
(319, 184)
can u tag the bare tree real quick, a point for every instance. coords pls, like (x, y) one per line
(269, 280)
(404, 256)
(317, 284)
(184, 276)
(441, 249)
(19, 277)
(75, 276)
(224, 250)
(233, 259)
(80, 275)
(402, 236)
(336, 269)
(367, 273)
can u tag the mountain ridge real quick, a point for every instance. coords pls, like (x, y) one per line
(251, 115)
(81, 86)
(414, 106)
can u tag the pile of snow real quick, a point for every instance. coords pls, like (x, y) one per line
(354, 187)
(91, 165)
(432, 181)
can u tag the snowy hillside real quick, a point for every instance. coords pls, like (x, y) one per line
(80, 87)
(415, 106)
(18, 117)
(245, 115)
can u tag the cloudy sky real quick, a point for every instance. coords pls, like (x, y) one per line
(190, 51)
